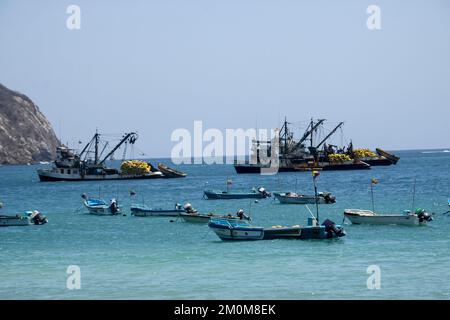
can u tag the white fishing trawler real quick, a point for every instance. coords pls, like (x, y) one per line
(72, 166)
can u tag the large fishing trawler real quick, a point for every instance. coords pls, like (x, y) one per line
(312, 153)
(72, 166)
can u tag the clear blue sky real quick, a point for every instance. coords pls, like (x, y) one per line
(153, 66)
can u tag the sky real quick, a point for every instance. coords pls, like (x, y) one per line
(156, 66)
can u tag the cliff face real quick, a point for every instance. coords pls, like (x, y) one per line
(25, 134)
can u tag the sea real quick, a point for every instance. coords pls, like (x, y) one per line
(128, 257)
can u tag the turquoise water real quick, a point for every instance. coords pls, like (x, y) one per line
(125, 257)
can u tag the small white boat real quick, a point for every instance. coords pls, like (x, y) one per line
(195, 217)
(141, 210)
(100, 207)
(235, 230)
(296, 198)
(359, 216)
(29, 218)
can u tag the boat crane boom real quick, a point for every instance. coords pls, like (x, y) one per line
(130, 137)
(330, 134)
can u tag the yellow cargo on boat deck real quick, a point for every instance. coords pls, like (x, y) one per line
(135, 167)
(338, 157)
(364, 153)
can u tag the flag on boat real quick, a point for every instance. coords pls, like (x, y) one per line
(374, 181)
(315, 174)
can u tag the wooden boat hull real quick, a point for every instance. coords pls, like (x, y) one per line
(325, 166)
(100, 209)
(302, 199)
(364, 217)
(142, 211)
(56, 175)
(170, 172)
(377, 161)
(282, 233)
(29, 218)
(214, 195)
(204, 218)
(393, 158)
(230, 231)
(10, 221)
(236, 233)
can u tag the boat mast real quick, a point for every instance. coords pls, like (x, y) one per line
(285, 135)
(315, 196)
(96, 146)
(87, 146)
(330, 134)
(309, 130)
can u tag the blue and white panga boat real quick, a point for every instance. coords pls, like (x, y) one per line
(243, 230)
(194, 216)
(235, 229)
(408, 218)
(100, 207)
(253, 194)
(141, 210)
(295, 198)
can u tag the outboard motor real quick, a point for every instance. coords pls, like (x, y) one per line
(330, 228)
(189, 209)
(264, 192)
(242, 216)
(423, 215)
(113, 206)
(37, 218)
(328, 197)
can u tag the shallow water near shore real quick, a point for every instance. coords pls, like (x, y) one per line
(126, 257)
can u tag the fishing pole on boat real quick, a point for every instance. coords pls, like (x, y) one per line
(372, 183)
(315, 174)
(414, 194)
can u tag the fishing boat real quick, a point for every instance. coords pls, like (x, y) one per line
(243, 230)
(260, 193)
(28, 218)
(309, 153)
(295, 198)
(361, 216)
(196, 217)
(408, 218)
(72, 166)
(100, 207)
(170, 172)
(141, 210)
(393, 158)
(240, 230)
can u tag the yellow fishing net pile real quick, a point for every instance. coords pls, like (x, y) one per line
(363, 153)
(135, 167)
(339, 157)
